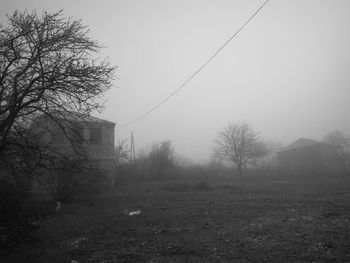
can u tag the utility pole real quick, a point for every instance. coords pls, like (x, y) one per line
(132, 149)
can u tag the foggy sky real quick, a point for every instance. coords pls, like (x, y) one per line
(287, 73)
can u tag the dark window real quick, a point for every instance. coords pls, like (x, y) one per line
(96, 135)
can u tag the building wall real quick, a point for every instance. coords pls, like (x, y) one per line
(313, 159)
(100, 140)
(301, 160)
(98, 143)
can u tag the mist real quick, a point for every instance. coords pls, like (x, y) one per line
(286, 73)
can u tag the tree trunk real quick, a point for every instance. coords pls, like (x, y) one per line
(239, 168)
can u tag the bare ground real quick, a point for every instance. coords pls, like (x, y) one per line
(261, 219)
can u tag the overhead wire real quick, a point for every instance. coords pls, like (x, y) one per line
(198, 70)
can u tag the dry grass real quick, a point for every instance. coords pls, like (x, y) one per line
(262, 219)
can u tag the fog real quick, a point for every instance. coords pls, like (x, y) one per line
(286, 73)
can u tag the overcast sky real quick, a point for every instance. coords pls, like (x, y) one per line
(287, 73)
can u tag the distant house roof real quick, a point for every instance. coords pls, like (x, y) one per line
(302, 142)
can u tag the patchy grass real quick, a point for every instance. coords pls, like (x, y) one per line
(178, 187)
(261, 219)
(186, 187)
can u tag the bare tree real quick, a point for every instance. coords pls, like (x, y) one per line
(338, 138)
(239, 143)
(121, 151)
(270, 160)
(69, 177)
(161, 157)
(48, 67)
(342, 141)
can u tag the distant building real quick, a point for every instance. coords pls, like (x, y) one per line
(96, 137)
(307, 155)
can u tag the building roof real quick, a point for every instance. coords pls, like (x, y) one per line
(300, 143)
(89, 118)
(73, 116)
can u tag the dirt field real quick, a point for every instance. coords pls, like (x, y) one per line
(261, 219)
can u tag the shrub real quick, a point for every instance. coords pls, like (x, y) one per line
(68, 177)
(157, 162)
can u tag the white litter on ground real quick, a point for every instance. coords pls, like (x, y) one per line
(132, 213)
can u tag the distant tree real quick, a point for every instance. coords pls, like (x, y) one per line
(270, 160)
(121, 151)
(161, 158)
(338, 138)
(342, 141)
(121, 157)
(48, 67)
(239, 144)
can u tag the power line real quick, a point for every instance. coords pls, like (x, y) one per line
(198, 70)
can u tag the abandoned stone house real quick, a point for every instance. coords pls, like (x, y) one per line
(96, 137)
(311, 156)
